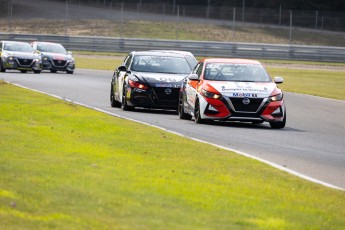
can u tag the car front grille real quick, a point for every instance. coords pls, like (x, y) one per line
(252, 107)
(25, 62)
(59, 63)
(162, 94)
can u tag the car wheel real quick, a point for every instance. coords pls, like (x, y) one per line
(124, 104)
(23, 71)
(278, 124)
(113, 102)
(197, 116)
(53, 71)
(181, 113)
(2, 69)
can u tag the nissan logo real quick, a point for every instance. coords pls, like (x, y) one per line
(246, 101)
(167, 91)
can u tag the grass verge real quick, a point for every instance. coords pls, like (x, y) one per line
(67, 167)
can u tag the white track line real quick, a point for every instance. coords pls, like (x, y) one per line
(192, 138)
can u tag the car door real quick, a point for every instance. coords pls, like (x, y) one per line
(191, 88)
(119, 78)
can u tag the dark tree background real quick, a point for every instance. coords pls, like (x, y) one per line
(326, 5)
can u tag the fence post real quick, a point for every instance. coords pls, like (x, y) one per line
(243, 6)
(290, 35)
(66, 17)
(177, 20)
(10, 14)
(233, 22)
(316, 17)
(280, 14)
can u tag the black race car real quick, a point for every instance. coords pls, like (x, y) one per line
(54, 57)
(19, 56)
(150, 79)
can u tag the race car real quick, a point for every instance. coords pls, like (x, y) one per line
(150, 79)
(19, 56)
(228, 89)
(54, 57)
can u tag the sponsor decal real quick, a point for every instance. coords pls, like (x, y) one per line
(244, 95)
(224, 89)
(166, 85)
(167, 79)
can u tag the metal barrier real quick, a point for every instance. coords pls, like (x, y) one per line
(198, 48)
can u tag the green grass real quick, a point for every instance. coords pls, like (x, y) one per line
(67, 167)
(322, 83)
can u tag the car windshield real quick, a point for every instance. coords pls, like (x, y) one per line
(18, 47)
(160, 64)
(51, 48)
(236, 72)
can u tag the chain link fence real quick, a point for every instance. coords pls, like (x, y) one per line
(63, 17)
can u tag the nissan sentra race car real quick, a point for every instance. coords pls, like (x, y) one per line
(232, 89)
(19, 56)
(54, 57)
(150, 79)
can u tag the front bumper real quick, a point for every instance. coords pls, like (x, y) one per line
(260, 110)
(22, 64)
(58, 65)
(155, 97)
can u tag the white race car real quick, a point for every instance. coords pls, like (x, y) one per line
(232, 89)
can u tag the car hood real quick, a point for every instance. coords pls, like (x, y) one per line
(161, 79)
(57, 56)
(244, 89)
(21, 54)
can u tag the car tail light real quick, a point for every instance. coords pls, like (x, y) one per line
(138, 85)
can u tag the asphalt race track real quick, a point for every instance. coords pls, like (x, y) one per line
(312, 143)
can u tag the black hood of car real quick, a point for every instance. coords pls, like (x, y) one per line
(160, 79)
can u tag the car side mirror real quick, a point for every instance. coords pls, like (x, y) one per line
(122, 68)
(278, 80)
(193, 77)
(69, 53)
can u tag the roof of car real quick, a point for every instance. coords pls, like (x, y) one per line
(160, 53)
(230, 60)
(14, 42)
(46, 42)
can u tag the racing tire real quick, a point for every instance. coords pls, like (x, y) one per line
(124, 105)
(278, 124)
(37, 71)
(113, 102)
(180, 110)
(23, 71)
(53, 71)
(2, 69)
(197, 115)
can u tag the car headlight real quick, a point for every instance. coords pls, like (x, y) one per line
(277, 97)
(9, 58)
(208, 94)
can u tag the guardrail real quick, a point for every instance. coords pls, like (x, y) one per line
(198, 48)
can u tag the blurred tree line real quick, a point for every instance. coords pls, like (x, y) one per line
(322, 5)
